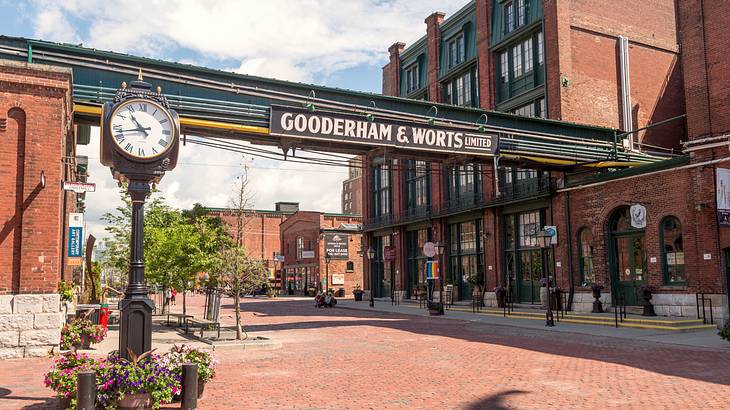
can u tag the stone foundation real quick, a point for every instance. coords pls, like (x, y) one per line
(685, 305)
(30, 325)
(583, 301)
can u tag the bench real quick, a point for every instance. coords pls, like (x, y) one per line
(204, 324)
(180, 318)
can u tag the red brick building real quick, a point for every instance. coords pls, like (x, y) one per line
(306, 240)
(352, 189)
(38, 146)
(585, 61)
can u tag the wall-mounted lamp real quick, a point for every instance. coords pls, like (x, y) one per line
(482, 126)
(309, 105)
(432, 118)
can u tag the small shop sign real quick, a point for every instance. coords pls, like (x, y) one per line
(307, 254)
(389, 253)
(338, 278)
(723, 196)
(79, 186)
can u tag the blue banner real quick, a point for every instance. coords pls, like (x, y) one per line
(75, 239)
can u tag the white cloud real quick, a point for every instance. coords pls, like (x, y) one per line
(293, 40)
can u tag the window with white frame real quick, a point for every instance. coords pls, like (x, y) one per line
(517, 60)
(456, 50)
(412, 82)
(504, 66)
(520, 13)
(527, 49)
(509, 22)
(540, 52)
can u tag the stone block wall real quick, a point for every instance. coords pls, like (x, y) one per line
(583, 301)
(30, 324)
(685, 305)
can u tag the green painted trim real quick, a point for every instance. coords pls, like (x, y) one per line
(465, 217)
(460, 14)
(418, 226)
(649, 167)
(522, 205)
(523, 98)
(516, 36)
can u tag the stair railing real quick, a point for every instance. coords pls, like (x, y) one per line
(701, 299)
(619, 306)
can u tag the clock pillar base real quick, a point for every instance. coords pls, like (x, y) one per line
(135, 326)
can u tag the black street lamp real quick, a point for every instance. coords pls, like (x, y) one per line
(327, 260)
(371, 256)
(545, 240)
(440, 251)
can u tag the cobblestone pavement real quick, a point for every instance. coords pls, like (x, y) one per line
(342, 359)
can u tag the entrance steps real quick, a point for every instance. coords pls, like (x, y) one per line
(633, 321)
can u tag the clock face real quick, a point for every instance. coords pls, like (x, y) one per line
(142, 129)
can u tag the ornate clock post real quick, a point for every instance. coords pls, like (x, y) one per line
(139, 142)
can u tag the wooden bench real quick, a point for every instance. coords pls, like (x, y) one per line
(204, 323)
(180, 318)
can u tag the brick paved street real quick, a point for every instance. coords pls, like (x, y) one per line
(340, 358)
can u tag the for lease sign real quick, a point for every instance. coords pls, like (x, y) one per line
(350, 128)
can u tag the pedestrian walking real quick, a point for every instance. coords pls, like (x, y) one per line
(173, 294)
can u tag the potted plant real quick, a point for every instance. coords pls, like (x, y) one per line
(435, 308)
(184, 354)
(646, 291)
(66, 291)
(501, 294)
(62, 377)
(143, 382)
(476, 280)
(725, 333)
(596, 288)
(357, 292)
(80, 333)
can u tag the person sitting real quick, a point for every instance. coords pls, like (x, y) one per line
(319, 300)
(330, 300)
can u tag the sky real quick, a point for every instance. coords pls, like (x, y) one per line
(338, 43)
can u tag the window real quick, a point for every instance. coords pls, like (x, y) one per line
(528, 225)
(527, 48)
(672, 251)
(509, 21)
(504, 67)
(463, 181)
(585, 255)
(517, 60)
(350, 266)
(465, 253)
(415, 257)
(540, 51)
(459, 90)
(382, 195)
(542, 112)
(520, 13)
(526, 110)
(456, 51)
(412, 79)
(417, 184)
(300, 246)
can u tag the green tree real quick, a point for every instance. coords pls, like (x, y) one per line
(241, 275)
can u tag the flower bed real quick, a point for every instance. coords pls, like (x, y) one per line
(155, 378)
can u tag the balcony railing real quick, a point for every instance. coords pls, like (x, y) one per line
(521, 190)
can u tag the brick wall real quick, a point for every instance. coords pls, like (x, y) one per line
(433, 41)
(261, 236)
(705, 38)
(581, 47)
(391, 71)
(36, 101)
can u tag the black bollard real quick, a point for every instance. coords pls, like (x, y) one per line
(189, 386)
(86, 390)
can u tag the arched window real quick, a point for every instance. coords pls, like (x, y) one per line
(672, 251)
(585, 250)
(350, 266)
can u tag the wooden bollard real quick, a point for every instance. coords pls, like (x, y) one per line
(86, 390)
(189, 386)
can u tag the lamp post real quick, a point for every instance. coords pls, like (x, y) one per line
(545, 240)
(371, 256)
(327, 260)
(440, 251)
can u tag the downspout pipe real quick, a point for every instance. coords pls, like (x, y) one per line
(569, 236)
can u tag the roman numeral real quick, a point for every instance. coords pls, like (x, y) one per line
(154, 151)
(164, 120)
(162, 142)
(154, 112)
(166, 132)
(121, 116)
(143, 107)
(130, 108)
(117, 127)
(140, 152)
(128, 147)
(119, 137)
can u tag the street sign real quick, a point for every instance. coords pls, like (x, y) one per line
(552, 232)
(75, 237)
(79, 186)
(429, 249)
(307, 254)
(279, 258)
(389, 253)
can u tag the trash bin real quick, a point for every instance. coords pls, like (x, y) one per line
(95, 308)
(341, 292)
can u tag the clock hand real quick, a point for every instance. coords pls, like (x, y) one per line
(135, 129)
(139, 126)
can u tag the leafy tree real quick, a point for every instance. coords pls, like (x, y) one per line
(241, 275)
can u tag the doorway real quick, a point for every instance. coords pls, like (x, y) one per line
(627, 257)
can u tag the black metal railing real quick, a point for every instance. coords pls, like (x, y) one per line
(525, 188)
(701, 299)
(509, 303)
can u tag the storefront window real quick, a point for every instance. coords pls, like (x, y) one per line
(672, 251)
(418, 184)
(585, 247)
(382, 194)
(414, 255)
(465, 256)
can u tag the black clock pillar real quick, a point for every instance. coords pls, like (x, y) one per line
(135, 328)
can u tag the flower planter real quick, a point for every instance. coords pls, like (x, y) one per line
(136, 401)
(84, 344)
(201, 388)
(648, 307)
(64, 403)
